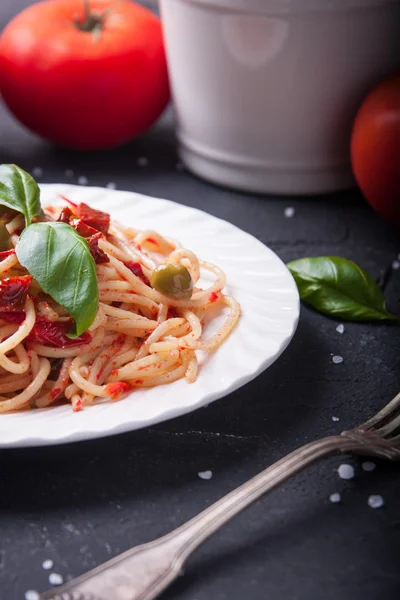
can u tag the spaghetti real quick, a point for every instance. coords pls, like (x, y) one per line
(140, 337)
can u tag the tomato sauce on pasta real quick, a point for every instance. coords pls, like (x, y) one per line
(140, 336)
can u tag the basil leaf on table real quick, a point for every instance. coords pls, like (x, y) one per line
(340, 288)
(19, 191)
(60, 261)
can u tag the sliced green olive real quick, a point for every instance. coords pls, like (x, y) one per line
(173, 281)
(5, 239)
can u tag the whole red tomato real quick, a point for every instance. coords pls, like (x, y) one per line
(375, 149)
(87, 79)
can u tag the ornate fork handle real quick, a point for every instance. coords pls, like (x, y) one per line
(143, 572)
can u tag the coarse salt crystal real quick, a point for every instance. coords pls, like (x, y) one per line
(340, 328)
(335, 498)
(56, 579)
(346, 471)
(396, 265)
(69, 173)
(47, 564)
(337, 359)
(335, 419)
(205, 474)
(289, 212)
(376, 501)
(368, 466)
(37, 171)
(82, 180)
(111, 185)
(32, 595)
(142, 161)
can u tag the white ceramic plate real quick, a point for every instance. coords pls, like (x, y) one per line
(257, 278)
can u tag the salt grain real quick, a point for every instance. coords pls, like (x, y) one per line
(376, 501)
(337, 359)
(289, 212)
(56, 579)
(142, 161)
(396, 265)
(335, 498)
(368, 466)
(205, 474)
(32, 595)
(37, 171)
(82, 180)
(346, 471)
(111, 185)
(335, 419)
(69, 173)
(47, 564)
(340, 328)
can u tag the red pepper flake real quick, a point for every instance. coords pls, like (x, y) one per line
(77, 406)
(213, 297)
(55, 334)
(94, 218)
(13, 292)
(139, 381)
(73, 204)
(114, 373)
(117, 389)
(6, 254)
(54, 392)
(136, 269)
(152, 241)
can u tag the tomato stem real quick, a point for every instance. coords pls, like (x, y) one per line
(93, 21)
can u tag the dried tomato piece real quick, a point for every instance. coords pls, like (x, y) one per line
(54, 333)
(92, 237)
(17, 317)
(65, 215)
(94, 218)
(100, 257)
(137, 270)
(83, 228)
(13, 292)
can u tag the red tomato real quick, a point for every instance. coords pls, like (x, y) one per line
(84, 81)
(375, 149)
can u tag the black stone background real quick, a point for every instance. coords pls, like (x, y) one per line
(82, 504)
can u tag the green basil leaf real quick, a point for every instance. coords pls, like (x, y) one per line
(19, 191)
(340, 288)
(60, 261)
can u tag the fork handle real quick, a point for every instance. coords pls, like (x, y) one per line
(144, 571)
(193, 533)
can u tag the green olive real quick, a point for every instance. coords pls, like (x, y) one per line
(5, 239)
(173, 281)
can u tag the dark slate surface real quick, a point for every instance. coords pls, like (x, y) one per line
(82, 504)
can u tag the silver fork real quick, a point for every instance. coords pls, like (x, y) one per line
(143, 572)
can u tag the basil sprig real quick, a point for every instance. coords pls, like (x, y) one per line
(339, 288)
(60, 261)
(19, 191)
